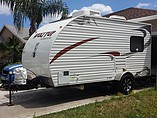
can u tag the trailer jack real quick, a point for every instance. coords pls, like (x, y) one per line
(10, 89)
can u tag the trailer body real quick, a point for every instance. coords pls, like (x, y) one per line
(88, 48)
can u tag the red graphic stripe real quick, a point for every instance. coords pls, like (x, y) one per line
(114, 53)
(65, 50)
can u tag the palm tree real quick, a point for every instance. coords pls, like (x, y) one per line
(34, 10)
(12, 49)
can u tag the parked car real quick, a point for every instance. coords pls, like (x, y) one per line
(17, 74)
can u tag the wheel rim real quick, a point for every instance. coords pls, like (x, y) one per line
(127, 85)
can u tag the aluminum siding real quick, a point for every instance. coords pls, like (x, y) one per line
(85, 62)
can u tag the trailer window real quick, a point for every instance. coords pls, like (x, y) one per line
(66, 73)
(136, 44)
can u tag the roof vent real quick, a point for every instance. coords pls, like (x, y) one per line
(117, 17)
(86, 13)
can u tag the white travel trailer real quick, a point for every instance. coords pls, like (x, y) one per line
(88, 48)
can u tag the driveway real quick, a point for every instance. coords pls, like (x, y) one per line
(43, 101)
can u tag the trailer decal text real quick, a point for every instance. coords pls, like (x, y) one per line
(44, 34)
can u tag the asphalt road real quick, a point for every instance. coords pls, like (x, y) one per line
(43, 101)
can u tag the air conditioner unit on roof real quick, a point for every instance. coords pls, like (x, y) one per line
(117, 17)
(86, 13)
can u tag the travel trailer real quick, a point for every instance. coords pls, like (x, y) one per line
(87, 48)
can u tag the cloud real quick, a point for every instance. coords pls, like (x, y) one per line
(141, 5)
(99, 7)
(4, 9)
(50, 18)
(147, 5)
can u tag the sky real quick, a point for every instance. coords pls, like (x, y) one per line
(104, 6)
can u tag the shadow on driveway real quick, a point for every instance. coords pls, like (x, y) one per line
(55, 96)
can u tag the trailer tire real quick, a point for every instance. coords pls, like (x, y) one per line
(126, 84)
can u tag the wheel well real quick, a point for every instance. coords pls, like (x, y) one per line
(120, 75)
(128, 73)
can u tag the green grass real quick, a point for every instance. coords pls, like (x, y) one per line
(139, 105)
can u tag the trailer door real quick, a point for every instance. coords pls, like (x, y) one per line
(154, 56)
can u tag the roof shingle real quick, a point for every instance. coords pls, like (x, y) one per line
(131, 13)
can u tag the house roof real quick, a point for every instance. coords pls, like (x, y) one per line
(22, 35)
(1, 38)
(132, 13)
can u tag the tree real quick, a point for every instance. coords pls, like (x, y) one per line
(12, 49)
(34, 10)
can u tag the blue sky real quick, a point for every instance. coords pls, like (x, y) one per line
(104, 6)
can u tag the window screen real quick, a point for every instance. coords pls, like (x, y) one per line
(136, 44)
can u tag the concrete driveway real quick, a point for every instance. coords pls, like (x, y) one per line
(43, 101)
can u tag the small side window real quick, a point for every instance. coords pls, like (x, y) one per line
(66, 73)
(136, 44)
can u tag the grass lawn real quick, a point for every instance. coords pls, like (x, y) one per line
(139, 105)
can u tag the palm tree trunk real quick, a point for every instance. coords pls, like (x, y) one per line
(32, 28)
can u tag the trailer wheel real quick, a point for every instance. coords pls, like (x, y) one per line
(126, 84)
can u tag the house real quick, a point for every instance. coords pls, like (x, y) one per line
(9, 31)
(147, 16)
(139, 15)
